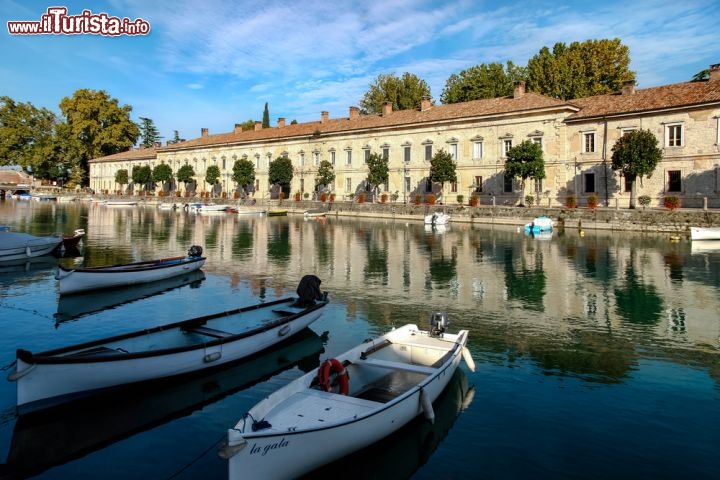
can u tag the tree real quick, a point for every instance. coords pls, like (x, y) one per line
(149, 134)
(636, 154)
(378, 170)
(593, 67)
(405, 93)
(176, 138)
(280, 172)
(96, 126)
(212, 175)
(525, 161)
(27, 137)
(162, 173)
(325, 175)
(243, 173)
(701, 76)
(482, 81)
(186, 174)
(442, 168)
(266, 117)
(121, 177)
(248, 125)
(141, 175)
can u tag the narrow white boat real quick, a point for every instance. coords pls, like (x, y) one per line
(96, 278)
(437, 218)
(167, 206)
(705, 233)
(212, 208)
(63, 374)
(540, 224)
(315, 212)
(121, 203)
(382, 385)
(18, 246)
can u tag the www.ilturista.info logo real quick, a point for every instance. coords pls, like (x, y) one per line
(57, 22)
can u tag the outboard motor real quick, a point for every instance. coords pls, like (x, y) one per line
(439, 321)
(308, 291)
(195, 251)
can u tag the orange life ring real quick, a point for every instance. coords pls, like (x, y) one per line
(342, 376)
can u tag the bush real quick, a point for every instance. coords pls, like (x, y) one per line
(460, 199)
(529, 200)
(672, 202)
(571, 201)
(430, 199)
(644, 200)
(592, 201)
(418, 199)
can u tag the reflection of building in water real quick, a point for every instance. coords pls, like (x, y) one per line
(619, 284)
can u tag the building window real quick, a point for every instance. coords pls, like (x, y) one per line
(332, 157)
(477, 150)
(507, 145)
(507, 183)
(454, 151)
(348, 159)
(367, 155)
(627, 181)
(302, 158)
(478, 184)
(407, 185)
(348, 185)
(538, 186)
(428, 153)
(674, 181)
(406, 154)
(674, 136)
(386, 153)
(428, 185)
(316, 158)
(589, 183)
(589, 142)
(453, 187)
(537, 141)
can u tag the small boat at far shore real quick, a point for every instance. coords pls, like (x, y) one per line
(541, 224)
(277, 213)
(437, 218)
(352, 401)
(705, 233)
(315, 212)
(96, 278)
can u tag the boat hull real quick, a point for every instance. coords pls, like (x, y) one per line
(705, 233)
(437, 219)
(19, 246)
(85, 279)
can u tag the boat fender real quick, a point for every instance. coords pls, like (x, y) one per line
(427, 406)
(28, 252)
(467, 356)
(336, 367)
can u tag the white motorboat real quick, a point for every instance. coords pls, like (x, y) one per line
(121, 203)
(540, 224)
(437, 218)
(18, 246)
(705, 233)
(211, 208)
(67, 373)
(315, 212)
(351, 402)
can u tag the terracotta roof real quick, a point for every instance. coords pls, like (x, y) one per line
(399, 118)
(132, 154)
(12, 177)
(648, 99)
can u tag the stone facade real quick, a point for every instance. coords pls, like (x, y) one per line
(576, 137)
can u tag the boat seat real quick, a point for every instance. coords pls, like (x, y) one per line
(408, 367)
(210, 332)
(285, 313)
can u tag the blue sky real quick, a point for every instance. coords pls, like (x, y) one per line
(211, 64)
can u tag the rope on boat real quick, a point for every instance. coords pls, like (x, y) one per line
(198, 457)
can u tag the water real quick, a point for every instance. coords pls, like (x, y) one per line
(597, 355)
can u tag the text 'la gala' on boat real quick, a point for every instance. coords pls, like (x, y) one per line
(352, 401)
(63, 374)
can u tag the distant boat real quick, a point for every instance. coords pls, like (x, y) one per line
(96, 278)
(277, 213)
(71, 241)
(437, 218)
(121, 203)
(212, 208)
(705, 233)
(167, 206)
(540, 224)
(18, 246)
(315, 212)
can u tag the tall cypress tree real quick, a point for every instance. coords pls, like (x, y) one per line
(266, 117)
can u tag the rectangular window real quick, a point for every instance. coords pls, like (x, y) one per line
(674, 181)
(332, 158)
(348, 160)
(674, 136)
(589, 183)
(538, 186)
(477, 150)
(223, 163)
(478, 184)
(348, 185)
(589, 142)
(367, 155)
(454, 151)
(628, 184)
(537, 141)
(428, 153)
(316, 158)
(386, 153)
(507, 145)
(406, 154)
(507, 184)
(453, 187)
(407, 185)
(302, 159)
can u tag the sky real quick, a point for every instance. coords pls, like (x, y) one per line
(212, 63)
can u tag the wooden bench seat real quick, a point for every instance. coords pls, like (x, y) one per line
(210, 332)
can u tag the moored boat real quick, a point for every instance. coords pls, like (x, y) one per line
(96, 278)
(315, 212)
(72, 241)
(18, 246)
(57, 376)
(378, 387)
(705, 233)
(437, 218)
(540, 224)
(277, 212)
(121, 203)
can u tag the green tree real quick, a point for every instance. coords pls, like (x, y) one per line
(149, 134)
(325, 175)
(186, 174)
(636, 155)
(248, 125)
(121, 178)
(266, 117)
(405, 93)
(141, 175)
(162, 174)
(482, 81)
(243, 173)
(442, 168)
(176, 138)
(593, 67)
(27, 137)
(525, 161)
(280, 172)
(97, 126)
(212, 175)
(378, 170)
(701, 76)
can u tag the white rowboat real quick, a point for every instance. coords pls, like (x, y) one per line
(19, 246)
(60, 375)
(96, 278)
(389, 381)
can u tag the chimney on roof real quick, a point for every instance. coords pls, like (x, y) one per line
(203, 132)
(715, 73)
(386, 108)
(324, 117)
(425, 103)
(519, 90)
(238, 128)
(258, 125)
(281, 122)
(628, 87)
(354, 113)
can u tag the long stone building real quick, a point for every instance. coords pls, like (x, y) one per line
(576, 137)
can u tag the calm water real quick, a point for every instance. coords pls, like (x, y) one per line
(598, 355)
